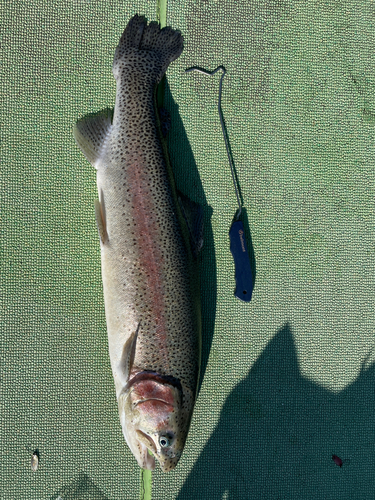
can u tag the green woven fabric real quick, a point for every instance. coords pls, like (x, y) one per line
(288, 378)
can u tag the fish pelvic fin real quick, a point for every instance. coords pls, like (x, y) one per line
(91, 134)
(101, 219)
(147, 47)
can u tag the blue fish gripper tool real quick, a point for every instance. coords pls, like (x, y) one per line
(243, 274)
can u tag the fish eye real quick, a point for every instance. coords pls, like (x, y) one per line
(165, 441)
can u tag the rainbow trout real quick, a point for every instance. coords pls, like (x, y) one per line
(150, 235)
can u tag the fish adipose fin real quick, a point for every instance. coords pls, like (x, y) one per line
(147, 45)
(91, 134)
(193, 215)
(101, 219)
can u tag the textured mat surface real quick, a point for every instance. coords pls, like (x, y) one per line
(289, 378)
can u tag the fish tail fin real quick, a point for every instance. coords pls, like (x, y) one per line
(147, 45)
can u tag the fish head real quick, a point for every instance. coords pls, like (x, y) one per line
(153, 419)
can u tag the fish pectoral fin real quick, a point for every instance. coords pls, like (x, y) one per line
(101, 220)
(91, 134)
(193, 215)
(128, 354)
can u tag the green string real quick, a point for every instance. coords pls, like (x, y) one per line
(161, 16)
(161, 12)
(146, 482)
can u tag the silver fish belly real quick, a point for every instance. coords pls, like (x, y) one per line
(150, 236)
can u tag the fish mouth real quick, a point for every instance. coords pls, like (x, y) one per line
(166, 463)
(147, 441)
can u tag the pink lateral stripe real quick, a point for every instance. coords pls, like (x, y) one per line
(151, 259)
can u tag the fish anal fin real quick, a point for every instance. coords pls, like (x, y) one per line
(101, 220)
(193, 215)
(91, 134)
(128, 354)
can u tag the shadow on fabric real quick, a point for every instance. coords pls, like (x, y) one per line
(278, 431)
(82, 488)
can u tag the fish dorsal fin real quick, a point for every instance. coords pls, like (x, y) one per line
(193, 215)
(91, 134)
(128, 354)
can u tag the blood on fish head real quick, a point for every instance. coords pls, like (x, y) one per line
(153, 419)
